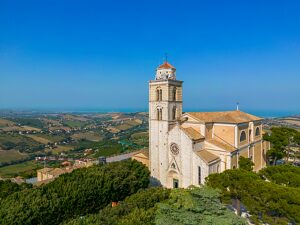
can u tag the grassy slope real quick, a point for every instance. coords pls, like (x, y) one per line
(11, 155)
(91, 136)
(18, 169)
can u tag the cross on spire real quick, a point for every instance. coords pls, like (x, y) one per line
(166, 57)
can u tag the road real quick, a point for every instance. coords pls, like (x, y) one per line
(120, 157)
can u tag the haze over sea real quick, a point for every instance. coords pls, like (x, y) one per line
(258, 112)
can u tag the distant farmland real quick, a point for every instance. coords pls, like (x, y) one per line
(7, 156)
(91, 136)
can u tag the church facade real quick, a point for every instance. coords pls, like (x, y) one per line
(184, 148)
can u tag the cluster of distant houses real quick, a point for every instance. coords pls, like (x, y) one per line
(48, 174)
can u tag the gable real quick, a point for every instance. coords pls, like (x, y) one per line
(173, 166)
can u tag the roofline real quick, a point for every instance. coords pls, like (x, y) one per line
(166, 80)
(212, 122)
(185, 132)
(209, 162)
(213, 161)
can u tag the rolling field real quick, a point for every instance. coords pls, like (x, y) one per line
(51, 121)
(113, 130)
(18, 128)
(75, 118)
(293, 121)
(51, 138)
(6, 123)
(39, 139)
(19, 169)
(91, 136)
(140, 135)
(29, 128)
(140, 138)
(15, 140)
(74, 123)
(129, 124)
(61, 148)
(11, 155)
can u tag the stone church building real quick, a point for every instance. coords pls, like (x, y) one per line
(187, 147)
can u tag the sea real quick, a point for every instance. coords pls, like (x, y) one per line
(273, 113)
(257, 112)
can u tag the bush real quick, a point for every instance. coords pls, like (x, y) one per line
(195, 206)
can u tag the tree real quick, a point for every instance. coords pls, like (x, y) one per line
(283, 174)
(275, 154)
(81, 192)
(245, 163)
(267, 202)
(280, 138)
(7, 188)
(195, 206)
(137, 209)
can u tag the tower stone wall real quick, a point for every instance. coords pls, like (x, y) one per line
(165, 107)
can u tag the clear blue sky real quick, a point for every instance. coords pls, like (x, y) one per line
(101, 54)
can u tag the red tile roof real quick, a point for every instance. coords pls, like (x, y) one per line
(222, 144)
(166, 65)
(192, 133)
(224, 117)
(207, 156)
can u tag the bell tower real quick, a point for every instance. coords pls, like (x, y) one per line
(165, 108)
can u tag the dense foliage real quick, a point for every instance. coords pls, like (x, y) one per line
(137, 209)
(195, 206)
(266, 201)
(164, 206)
(284, 174)
(81, 192)
(280, 138)
(245, 163)
(7, 187)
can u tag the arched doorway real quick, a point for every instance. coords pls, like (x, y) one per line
(173, 180)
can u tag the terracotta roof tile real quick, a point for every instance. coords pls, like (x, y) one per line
(192, 133)
(207, 156)
(221, 144)
(166, 65)
(235, 116)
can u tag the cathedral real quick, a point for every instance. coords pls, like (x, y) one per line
(184, 148)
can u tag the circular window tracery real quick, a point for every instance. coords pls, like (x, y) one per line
(174, 149)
